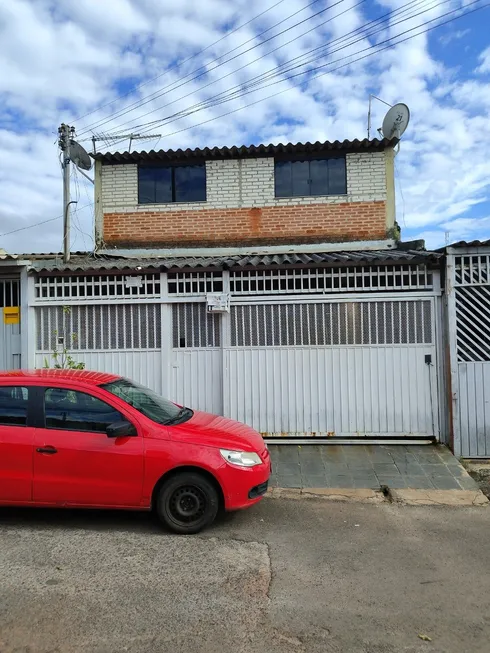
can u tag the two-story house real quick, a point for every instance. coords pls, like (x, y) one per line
(265, 283)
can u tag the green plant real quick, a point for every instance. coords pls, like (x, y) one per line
(61, 359)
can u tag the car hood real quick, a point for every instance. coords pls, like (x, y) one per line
(215, 431)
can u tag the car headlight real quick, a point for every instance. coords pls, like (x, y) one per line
(241, 458)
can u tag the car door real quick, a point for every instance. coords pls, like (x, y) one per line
(16, 440)
(75, 462)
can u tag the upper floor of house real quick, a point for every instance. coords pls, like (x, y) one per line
(340, 192)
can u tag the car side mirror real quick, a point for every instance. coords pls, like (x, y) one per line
(121, 429)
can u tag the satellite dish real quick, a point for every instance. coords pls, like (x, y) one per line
(396, 121)
(79, 156)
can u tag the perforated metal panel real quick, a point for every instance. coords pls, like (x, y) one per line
(108, 327)
(342, 279)
(96, 287)
(193, 327)
(346, 323)
(194, 283)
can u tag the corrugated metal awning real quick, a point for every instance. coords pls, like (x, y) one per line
(245, 151)
(90, 262)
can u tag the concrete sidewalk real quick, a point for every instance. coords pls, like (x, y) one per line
(356, 466)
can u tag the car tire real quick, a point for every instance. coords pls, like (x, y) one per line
(187, 503)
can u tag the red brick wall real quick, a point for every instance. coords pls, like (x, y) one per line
(348, 221)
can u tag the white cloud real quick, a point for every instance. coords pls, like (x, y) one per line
(60, 60)
(484, 58)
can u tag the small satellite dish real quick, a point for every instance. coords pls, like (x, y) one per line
(396, 121)
(79, 156)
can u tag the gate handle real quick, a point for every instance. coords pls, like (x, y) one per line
(49, 450)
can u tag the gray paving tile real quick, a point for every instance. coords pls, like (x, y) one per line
(337, 469)
(366, 481)
(360, 464)
(446, 483)
(467, 483)
(410, 469)
(289, 481)
(341, 481)
(436, 470)
(387, 468)
(418, 482)
(458, 472)
(312, 466)
(396, 482)
(287, 468)
(315, 481)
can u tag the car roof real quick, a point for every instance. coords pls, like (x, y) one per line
(78, 376)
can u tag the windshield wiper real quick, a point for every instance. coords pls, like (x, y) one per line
(182, 416)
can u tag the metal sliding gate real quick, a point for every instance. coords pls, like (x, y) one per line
(291, 362)
(468, 296)
(325, 352)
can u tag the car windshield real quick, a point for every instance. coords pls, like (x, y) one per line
(153, 406)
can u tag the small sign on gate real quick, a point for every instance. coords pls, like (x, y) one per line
(11, 314)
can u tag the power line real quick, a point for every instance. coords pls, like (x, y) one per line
(38, 224)
(181, 63)
(392, 45)
(242, 89)
(206, 69)
(250, 63)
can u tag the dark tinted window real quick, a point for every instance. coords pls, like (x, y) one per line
(76, 411)
(160, 184)
(315, 177)
(13, 405)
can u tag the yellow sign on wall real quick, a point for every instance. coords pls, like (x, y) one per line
(11, 315)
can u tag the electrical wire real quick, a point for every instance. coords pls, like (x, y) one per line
(206, 70)
(242, 89)
(389, 46)
(38, 224)
(181, 63)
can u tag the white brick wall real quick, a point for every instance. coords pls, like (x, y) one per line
(241, 183)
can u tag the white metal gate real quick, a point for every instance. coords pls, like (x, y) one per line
(10, 344)
(333, 368)
(468, 285)
(329, 351)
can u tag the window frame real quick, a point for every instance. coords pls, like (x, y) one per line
(172, 167)
(41, 410)
(308, 159)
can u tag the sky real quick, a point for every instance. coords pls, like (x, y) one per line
(241, 72)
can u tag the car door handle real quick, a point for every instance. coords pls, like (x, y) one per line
(46, 450)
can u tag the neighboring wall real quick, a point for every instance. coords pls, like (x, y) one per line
(241, 207)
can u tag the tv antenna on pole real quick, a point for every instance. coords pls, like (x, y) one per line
(122, 137)
(72, 152)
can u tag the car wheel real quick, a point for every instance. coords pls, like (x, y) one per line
(187, 503)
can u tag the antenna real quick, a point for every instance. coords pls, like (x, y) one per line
(122, 137)
(79, 156)
(371, 98)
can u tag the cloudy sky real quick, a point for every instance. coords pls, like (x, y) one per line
(233, 72)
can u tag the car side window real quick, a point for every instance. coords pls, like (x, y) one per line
(13, 405)
(71, 410)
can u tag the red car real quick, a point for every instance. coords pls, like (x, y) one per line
(85, 439)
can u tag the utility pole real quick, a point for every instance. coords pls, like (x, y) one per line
(66, 133)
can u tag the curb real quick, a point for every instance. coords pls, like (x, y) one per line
(409, 497)
(439, 497)
(360, 495)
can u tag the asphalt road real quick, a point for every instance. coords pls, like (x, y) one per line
(286, 576)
